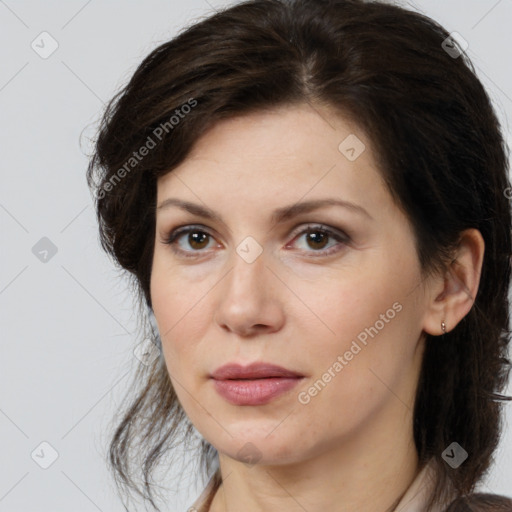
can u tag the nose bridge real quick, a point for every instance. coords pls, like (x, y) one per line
(247, 297)
(248, 267)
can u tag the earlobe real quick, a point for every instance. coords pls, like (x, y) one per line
(454, 295)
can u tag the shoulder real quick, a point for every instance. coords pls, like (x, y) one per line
(481, 502)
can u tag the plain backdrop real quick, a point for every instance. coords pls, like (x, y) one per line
(67, 323)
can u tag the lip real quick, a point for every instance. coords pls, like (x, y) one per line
(255, 384)
(257, 370)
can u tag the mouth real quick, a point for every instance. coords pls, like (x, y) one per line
(256, 384)
(254, 391)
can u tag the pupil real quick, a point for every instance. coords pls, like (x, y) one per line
(194, 238)
(315, 236)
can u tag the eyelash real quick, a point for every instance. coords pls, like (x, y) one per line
(174, 236)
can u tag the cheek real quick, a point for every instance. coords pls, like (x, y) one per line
(168, 306)
(180, 308)
(354, 367)
(366, 314)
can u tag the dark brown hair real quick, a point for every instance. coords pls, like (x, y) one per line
(440, 150)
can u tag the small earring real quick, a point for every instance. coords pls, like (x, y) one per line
(443, 327)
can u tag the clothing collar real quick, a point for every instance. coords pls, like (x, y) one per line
(417, 494)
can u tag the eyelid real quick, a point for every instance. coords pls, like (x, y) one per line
(304, 226)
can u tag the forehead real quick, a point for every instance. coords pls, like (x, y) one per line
(278, 156)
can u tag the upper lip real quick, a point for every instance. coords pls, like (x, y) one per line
(257, 370)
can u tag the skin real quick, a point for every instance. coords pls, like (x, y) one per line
(351, 446)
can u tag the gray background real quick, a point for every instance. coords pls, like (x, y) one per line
(67, 326)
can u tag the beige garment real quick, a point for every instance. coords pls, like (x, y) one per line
(414, 499)
(417, 494)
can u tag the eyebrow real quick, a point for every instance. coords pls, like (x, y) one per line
(278, 215)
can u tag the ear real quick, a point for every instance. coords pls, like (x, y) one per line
(452, 296)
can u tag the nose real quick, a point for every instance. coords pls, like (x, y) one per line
(251, 296)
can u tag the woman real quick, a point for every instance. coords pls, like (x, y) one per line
(310, 196)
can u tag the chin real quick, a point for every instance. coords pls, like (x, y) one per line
(260, 449)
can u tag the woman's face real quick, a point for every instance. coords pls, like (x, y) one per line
(344, 308)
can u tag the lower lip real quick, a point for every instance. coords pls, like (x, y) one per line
(254, 392)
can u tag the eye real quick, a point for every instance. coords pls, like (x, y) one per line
(315, 236)
(196, 239)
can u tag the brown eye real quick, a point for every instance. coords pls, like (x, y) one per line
(197, 240)
(317, 238)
